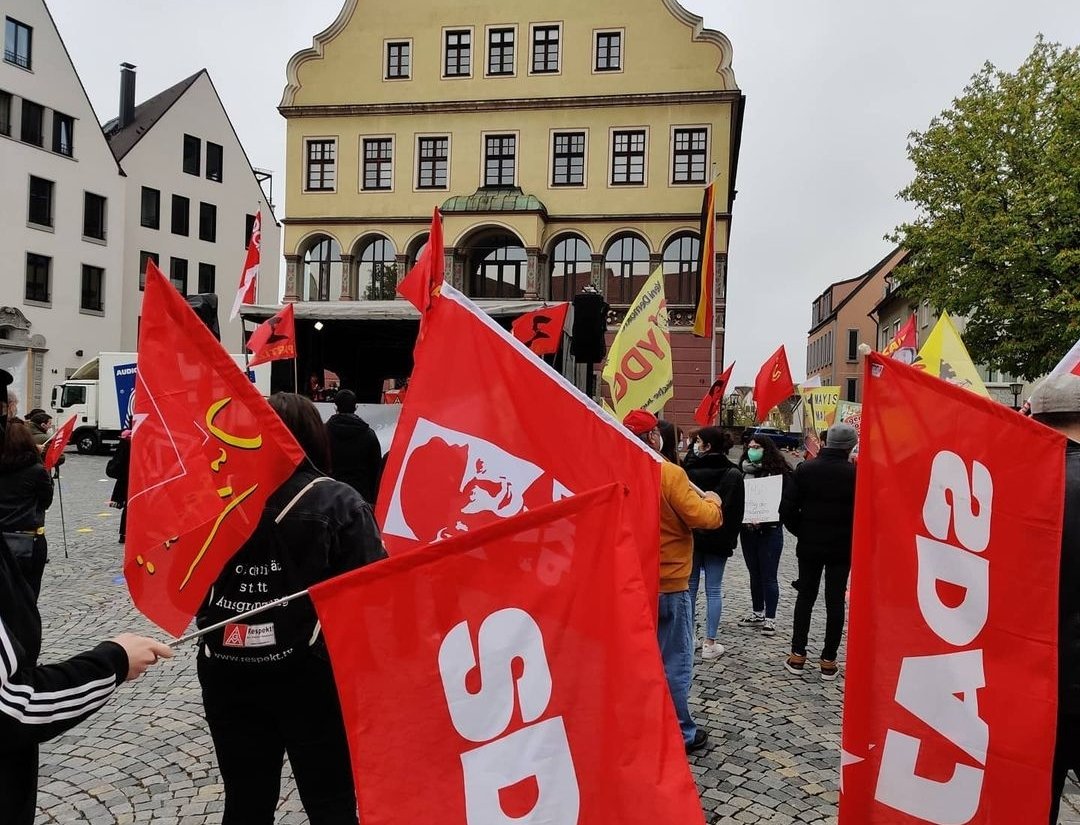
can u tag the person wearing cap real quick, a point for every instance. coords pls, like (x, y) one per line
(682, 510)
(818, 508)
(1055, 402)
(355, 452)
(40, 702)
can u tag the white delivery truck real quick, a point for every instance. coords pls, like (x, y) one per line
(101, 393)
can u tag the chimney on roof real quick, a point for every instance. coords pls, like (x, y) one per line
(127, 95)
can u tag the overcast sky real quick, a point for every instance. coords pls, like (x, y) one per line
(833, 87)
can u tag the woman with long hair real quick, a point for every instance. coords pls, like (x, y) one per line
(26, 491)
(268, 689)
(709, 467)
(763, 542)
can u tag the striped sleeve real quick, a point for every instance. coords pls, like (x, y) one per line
(40, 702)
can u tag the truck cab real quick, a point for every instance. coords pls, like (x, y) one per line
(79, 398)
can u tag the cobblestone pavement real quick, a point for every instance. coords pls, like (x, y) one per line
(147, 757)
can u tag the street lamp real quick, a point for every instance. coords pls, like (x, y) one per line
(1016, 388)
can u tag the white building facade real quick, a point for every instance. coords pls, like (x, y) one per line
(192, 196)
(61, 213)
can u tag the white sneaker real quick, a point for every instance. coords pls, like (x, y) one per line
(768, 627)
(712, 650)
(753, 620)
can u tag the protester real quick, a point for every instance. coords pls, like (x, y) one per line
(1056, 403)
(818, 508)
(762, 543)
(26, 491)
(669, 433)
(268, 688)
(709, 467)
(40, 702)
(355, 452)
(119, 468)
(40, 424)
(681, 511)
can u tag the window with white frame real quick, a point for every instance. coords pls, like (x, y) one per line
(545, 49)
(628, 157)
(500, 59)
(568, 159)
(608, 52)
(378, 164)
(398, 60)
(690, 155)
(500, 159)
(321, 160)
(457, 53)
(433, 162)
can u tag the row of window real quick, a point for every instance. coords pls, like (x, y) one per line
(180, 215)
(39, 283)
(544, 55)
(41, 209)
(819, 353)
(497, 266)
(215, 158)
(178, 273)
(32, 127)
(568, 155)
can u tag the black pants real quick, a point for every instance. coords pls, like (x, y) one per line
(836, 577)
(33, 566)
(257, 715)
(18, 785)
(1066, 758)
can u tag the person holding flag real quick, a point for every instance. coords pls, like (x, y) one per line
(26, 491)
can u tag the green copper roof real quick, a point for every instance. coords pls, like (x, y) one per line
(495, 199)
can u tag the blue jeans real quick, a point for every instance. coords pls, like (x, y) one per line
(761, 549)
(675, 633)
(712, 565)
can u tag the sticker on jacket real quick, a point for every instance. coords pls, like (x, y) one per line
(249, 635)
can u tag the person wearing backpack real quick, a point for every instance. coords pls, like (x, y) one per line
(268, 688)
(709, 467)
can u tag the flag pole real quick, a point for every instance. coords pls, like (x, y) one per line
(60, 493)
(295, 377)
(712, 309)
(246, 615)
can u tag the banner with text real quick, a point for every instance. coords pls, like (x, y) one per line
(951, 690)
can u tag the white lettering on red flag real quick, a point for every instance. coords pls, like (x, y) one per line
(538, 699)
(951, 691)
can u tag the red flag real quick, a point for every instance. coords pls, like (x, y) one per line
(1069, 364)
(58, 443)
(426, 277)
(206, 453)
(488, 431)
(249, 278)
(706, 307)
(905, 344)
(274, 339)
(524, 657)
(950, 706)
(709, 408)
(541, 329)
(773, 383)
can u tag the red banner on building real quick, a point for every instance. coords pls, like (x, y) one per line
(523, 656)
(488, 431)
(951, 696)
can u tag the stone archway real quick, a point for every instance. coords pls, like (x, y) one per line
(496, 264)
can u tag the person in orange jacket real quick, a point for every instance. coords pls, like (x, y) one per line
(682, 510)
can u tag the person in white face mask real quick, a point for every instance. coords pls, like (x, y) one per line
(709, 467)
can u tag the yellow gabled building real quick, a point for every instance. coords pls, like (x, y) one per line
(567, 143)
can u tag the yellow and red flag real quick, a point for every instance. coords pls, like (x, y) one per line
(274, 339)
(206, 453)
(773, 383)
(706, 311)
(904, 344)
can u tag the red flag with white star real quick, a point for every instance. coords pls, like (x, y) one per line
(206, 453)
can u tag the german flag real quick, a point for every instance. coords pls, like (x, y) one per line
(703, 320)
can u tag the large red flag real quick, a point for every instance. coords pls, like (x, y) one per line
(58, 443)
(206, 453)
(274, 339)
(709, 408)
(249, 277)
(773, 383)
(422, 283)
(489, 430)
(524, 657)
(951, 696)
(541, 330)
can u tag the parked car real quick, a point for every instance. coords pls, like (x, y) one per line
(783, 440)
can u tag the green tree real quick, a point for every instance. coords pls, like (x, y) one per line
(383, 283)
(996, 236)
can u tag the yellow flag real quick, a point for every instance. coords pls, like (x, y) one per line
(821, 401)
(638, 369)
(943, 354)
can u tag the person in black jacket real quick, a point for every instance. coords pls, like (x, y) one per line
(709, 467)
(1055, 402)
(40, 702)
(267, 685)
(26, 491)
(355, 452)
(818, 508)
